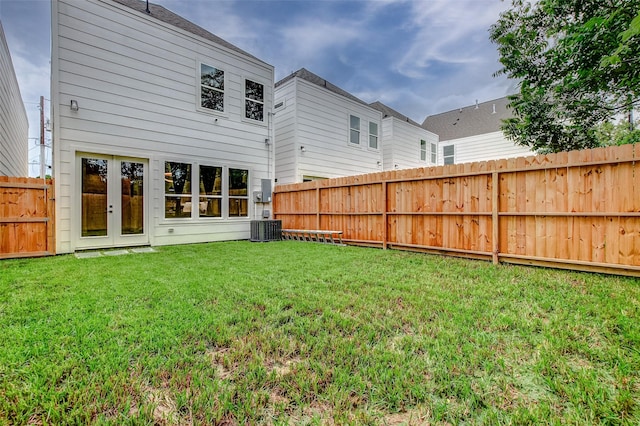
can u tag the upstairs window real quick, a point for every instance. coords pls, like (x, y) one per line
(211, 88)
(434, 153)
(373, 135)
(448, 153)
(254, 100)
(423, 150)
(354, 130)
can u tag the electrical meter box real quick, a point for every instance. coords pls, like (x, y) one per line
(264, 195)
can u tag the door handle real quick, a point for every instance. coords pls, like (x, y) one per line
(110, 209)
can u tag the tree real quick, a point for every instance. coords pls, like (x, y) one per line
(576, 62)
(620, 133)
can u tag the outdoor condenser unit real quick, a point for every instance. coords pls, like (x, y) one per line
(266, 230)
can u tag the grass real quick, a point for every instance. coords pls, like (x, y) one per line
(302, 333)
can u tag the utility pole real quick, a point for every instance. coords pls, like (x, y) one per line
(43, 165)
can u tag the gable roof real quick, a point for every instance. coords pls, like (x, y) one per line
(165, 15)
(387, 111)
(468, 121)
(307, 75)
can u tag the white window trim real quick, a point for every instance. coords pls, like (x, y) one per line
(433, 152)
(377, 135)
(221, 196)
(243, 111)
(452, 156)
(352, 144)
(199, 106)
(423, 151)
(194, 197)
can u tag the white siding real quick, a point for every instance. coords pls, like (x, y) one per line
(14, 127)
(286, 133)
(136, 81)
(402, 144)
(322, 126)
(488, 146)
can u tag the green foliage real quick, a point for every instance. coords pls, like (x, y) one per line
(609, 133)
(303, 333)
(555, 49)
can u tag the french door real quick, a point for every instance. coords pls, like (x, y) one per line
(113, 206)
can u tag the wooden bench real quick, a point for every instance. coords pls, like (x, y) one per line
(320, 236)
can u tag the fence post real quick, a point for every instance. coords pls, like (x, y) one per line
(495, 216)
(385, 226)
(317, 204)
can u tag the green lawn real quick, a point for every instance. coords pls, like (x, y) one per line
(304, 333)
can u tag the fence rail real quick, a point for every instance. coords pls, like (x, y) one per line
(578, 209)
(26, 217)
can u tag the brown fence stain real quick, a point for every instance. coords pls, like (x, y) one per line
(26, 217)
(577, 210)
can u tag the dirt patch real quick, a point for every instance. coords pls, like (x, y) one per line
(409, 418)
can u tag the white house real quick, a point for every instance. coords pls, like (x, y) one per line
(405, 144)
(14, 127)
(161, 130)
(472, 133)
(322, 131)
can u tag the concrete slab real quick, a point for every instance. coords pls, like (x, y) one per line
(116, 252)
(87, 254)
(143, 250)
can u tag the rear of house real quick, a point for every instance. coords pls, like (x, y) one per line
(322, 131)
(473, 133)
(161, 129)
(405, 144)
(14, 126)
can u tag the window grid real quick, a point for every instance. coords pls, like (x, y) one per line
(373, 135)
(354, 130)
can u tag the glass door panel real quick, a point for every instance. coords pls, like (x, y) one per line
(132, 197)
(94, 197)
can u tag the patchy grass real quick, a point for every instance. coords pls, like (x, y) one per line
(301, 333)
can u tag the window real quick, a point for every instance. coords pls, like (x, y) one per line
(177, 190)
(210, 204)
(254, 100)
(211, 88)
(423, 150)
(354, 127)
(238, 193)
(434, 153)
(373, 135)
(448, 154)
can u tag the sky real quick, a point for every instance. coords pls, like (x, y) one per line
(420, 57)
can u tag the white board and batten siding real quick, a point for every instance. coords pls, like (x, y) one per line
(483, 147)
(136, 81)
(321, 124)
(402, 144)
(14, 125)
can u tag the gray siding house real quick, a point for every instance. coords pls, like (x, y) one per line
(161, 129)
(472, 133)
(14, 126)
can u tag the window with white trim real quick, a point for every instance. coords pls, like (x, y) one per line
(448, 154)
(354, 130)
(434, 153)
(210, 203)
(238, 192)
(423, 150)
(373, 135)
(177, 190)
(211, 88)
(253, 100)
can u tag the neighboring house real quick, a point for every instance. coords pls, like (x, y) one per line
(473, 133)
(162, 130)
(322, 131)
(14, 126)
(405, 144)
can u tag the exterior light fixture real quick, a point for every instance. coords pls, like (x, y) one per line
(303, 149)
(74, 105)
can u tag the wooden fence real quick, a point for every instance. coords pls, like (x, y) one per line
(576, 210)
(26, 217)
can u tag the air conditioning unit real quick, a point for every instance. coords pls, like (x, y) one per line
(266, 230)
